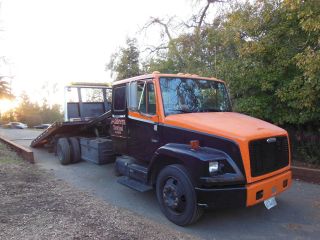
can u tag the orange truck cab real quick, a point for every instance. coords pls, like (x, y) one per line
(177, 133)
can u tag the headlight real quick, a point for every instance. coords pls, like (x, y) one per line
(213, 167)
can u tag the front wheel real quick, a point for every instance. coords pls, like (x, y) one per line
(176, 195)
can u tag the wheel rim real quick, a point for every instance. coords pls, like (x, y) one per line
(174, 196)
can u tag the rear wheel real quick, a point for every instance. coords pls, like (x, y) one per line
(75, 150)
(64, 151)
(176, 195)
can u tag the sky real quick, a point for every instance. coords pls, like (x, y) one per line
(52, 42)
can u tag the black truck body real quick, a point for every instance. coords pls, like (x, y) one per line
(177, 133)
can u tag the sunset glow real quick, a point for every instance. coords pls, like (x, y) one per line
(59, 42)
(7, 105)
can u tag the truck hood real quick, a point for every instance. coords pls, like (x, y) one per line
(231, 125)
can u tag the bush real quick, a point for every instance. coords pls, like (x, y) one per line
(305, 144)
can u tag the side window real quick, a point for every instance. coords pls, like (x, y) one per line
(109, 95)
(119, 98)
(151, 99)
(91, 95)
(145, 98)
(141, 97)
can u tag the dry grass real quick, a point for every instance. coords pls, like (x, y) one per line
(35, 205)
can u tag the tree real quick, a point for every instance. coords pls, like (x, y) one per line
(4, 88)
(35, 113)
(268, 53)
(27, 111)
(5, 91)
(125, 62)
(266, 76)
(50, 114)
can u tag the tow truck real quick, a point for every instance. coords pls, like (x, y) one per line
(177, 134)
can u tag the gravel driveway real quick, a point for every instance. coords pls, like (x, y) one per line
(36, 205)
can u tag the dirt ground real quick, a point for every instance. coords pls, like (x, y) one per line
(35, 205)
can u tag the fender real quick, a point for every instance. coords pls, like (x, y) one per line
(196, 162)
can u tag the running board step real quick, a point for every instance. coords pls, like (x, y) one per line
(134, 184)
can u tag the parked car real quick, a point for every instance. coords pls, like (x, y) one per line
(17, 125)
(42, 126)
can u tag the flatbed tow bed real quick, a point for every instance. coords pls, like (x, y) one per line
(56, 129)
(88, 110)
(68, 129)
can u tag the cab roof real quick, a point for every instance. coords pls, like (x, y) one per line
(158, 75)
(88, 85)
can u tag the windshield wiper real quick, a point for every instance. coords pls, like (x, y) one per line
(211, 110)
(181, 110)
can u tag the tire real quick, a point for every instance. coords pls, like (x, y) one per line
(176, 195)
(64, 151)
(75, 150)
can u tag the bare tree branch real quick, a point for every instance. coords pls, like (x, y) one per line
(165, 26)
(152, 48)
(204, 13)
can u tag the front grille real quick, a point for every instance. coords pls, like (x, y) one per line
(266, 157)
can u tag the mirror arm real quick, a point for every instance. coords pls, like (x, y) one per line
(144, 86)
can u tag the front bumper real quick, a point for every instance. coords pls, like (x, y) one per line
(242, 196)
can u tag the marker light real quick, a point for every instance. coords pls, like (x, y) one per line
(194, 144)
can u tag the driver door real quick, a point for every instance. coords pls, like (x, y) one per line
(143, 138)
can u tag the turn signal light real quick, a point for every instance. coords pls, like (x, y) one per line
(195, 145)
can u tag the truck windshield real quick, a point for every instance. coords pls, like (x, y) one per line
(187, 95)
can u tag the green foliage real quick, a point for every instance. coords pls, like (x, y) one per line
(50, 114)
(32, 113)
(267, 52)
(27, 112)
(305, 143)
(125, 62)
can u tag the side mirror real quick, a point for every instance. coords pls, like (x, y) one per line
(132, 96)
